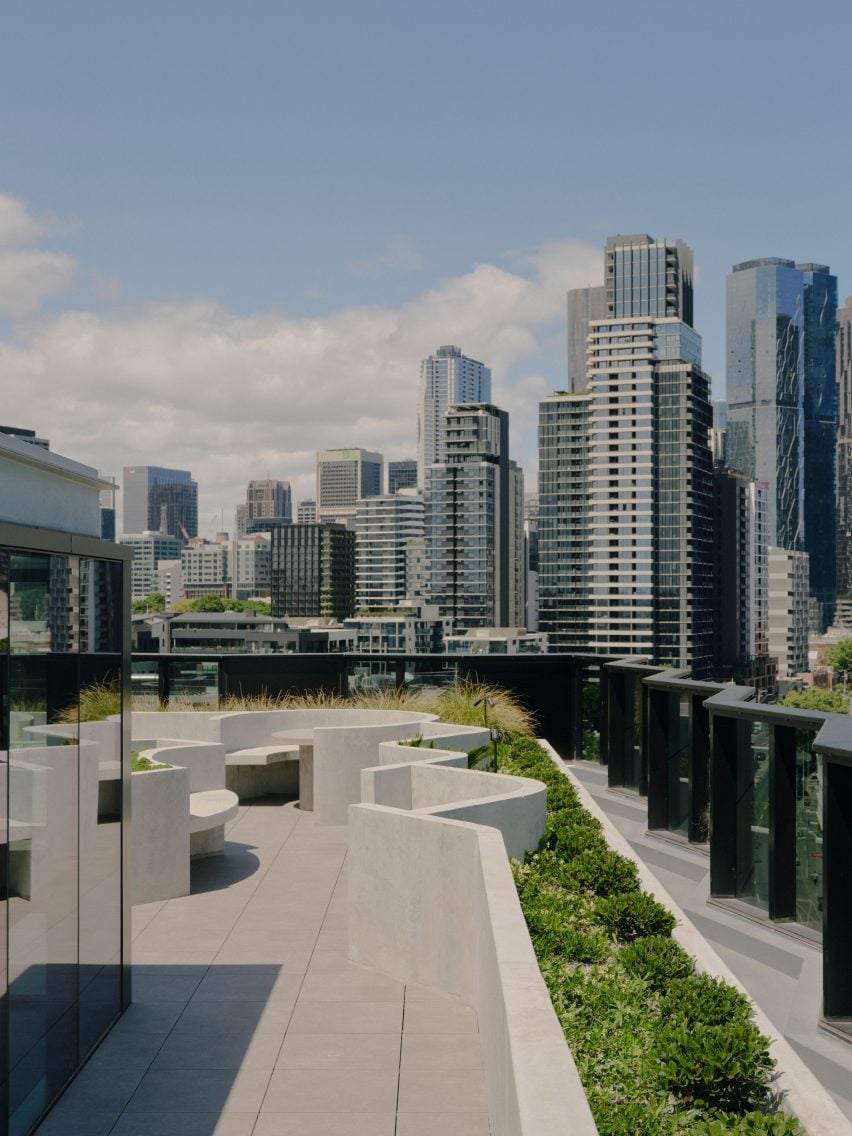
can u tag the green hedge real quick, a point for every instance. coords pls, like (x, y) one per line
(661, 1049)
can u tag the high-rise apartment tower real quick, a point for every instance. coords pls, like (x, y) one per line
(447, 379)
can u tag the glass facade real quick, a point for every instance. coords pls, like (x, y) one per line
(782, 404)
(61, 741)
(809, 832)
(753, 814)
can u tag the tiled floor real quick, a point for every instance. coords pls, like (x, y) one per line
(248, 1019)
(782, 974)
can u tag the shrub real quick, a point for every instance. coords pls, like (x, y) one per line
(702, 999)
(752, 1124)
(657, 959)
(630, 915)
(603, 872)
(725, 1067)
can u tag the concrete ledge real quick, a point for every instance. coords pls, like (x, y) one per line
(210, 808)
(803, 1094)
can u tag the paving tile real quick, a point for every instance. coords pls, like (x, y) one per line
(439, 1016)
(350, 984)
(90, 1090)
(339, 1051)
(457, 1090)
(231, 983)
(348, 1091)
(346, 1017)
(152, 983)
(208, 1017)
(66, 1122)
(440, 1051)
(183, 1124)
(327, 1124)
(205, 1091)
(443, 1123)
(226, 1049)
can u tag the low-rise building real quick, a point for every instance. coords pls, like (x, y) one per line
(408, 629)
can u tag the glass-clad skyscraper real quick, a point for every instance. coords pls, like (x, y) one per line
(782, 404)
(157, 499)
(447, 378)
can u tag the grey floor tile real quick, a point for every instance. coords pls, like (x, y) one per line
(346, 1017)
(441, 1124)
(236, 983)
(457, 1090)
(204, 1091)
(224, 1049)
(339, 1051)
(440, 1051)
(182, 1124)
(349, 1091)
(439, 1016)
(67, 1122)
(350, 984)
(326, 1124)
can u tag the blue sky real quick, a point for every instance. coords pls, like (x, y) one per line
(287, 179)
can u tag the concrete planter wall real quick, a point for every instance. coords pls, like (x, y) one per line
(432, 901)
(160, 834)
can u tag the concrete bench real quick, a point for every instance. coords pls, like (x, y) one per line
(257, 770)
(209, 812)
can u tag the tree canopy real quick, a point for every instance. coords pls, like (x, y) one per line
(839, 657)
(816, 698)
(155, 602)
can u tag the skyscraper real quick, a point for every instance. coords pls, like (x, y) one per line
(782, 404)
(265, 501)
(844, 450)
(447, 379)
(384, 528)
(584, 305)
(625, 494)
(474, 522)
(160, 500)
(343, 477)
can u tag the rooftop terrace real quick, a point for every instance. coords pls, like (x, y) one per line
(248, 1019)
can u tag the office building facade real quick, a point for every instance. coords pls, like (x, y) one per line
(788, 610)
(384, 527)
(625, 493)
(313, 571)
(447, 378)
(149, 548)
(343, 478)
(306, 513)
(782, 404)
(474, 522)
(402, 474)
(162, 500)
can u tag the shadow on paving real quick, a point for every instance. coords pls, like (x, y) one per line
(197, 1044)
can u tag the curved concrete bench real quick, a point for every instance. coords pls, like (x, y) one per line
(209, 812)
(257, 770)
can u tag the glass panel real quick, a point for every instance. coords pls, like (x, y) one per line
(100, 800)
(632, 731)
(371, 675)
(42, 849)
(145, 685)
(753, 813)
(428, 675)
(4, 836)
(197, 683)
(590, 711)
(809, 847)
(679, 744)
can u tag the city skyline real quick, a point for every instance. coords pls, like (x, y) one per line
(226, 249)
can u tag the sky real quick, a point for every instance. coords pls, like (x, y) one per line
(229, 232)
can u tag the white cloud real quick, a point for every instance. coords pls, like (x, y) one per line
(187, 383)
(29, 276)
(19, 226)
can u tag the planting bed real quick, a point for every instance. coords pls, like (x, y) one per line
(661, 1049)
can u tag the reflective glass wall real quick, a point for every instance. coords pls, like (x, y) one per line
(61, 637)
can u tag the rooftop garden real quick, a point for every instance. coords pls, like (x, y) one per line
(662, 1050)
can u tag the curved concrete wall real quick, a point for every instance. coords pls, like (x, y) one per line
(432, 901)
